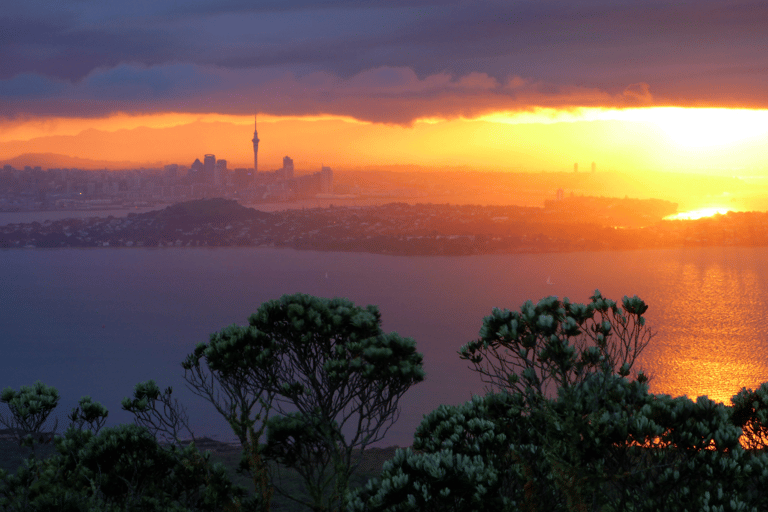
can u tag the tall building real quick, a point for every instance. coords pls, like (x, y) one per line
(594, 166)
(209, 167)
(196, 171)
(220, 173)
(326, 180)
(171, 173)
(241, 177)
(287, 168)
(576, 167)
(255, 141)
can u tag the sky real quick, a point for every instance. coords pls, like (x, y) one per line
(518, 85)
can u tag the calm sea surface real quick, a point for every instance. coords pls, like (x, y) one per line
(98, 321)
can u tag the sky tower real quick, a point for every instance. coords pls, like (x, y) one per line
(255, 141)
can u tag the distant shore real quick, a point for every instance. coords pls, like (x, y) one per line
(583, 224)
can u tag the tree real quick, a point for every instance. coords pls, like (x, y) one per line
(30, 408)
(118, 469)
(610, 444)
(570, 431)
(121, 469)
(541, 352)
(232, 379)
(167, 424)
(556, 344)
(90, 412)
(750, 413)
(336, 378)
(459, 462)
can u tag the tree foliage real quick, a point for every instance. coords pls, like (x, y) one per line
(232, 378)
(555, 344)
(337, 379)
(232, 381)
(568, 430)
(323, 379)
(750, 413)
(166, 425)
(112, 469)
(30, 408)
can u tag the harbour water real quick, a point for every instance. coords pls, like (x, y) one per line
(98, 321)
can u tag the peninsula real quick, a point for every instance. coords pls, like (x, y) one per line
(584, 224)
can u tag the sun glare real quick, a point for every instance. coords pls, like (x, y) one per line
(683, 126)
(706, 127)
(698, 214)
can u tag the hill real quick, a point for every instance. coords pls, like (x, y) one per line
(55, 160)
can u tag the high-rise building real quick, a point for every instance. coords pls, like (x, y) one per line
(241, 177)
(287, 168)
(576, 167)
(255, 141)
(171, 172)
(220, 173)
(209, 166)
(196, 171)
(326, 180)
(594, 166)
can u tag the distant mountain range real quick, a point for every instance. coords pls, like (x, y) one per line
(54, 160)
(150, 147)
(131, 148)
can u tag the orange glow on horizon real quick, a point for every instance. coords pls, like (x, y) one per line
(699, 213)
(697, 140)
(26, 129)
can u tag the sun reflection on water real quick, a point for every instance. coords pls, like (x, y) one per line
(698, 214)
(712, 342)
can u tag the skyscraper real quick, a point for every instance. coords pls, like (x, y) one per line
(220, 173)
(209, 165)
(255, 141)
(326, 180)
(287, 168)
(196, 171)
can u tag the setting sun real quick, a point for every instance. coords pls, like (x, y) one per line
(702, 128)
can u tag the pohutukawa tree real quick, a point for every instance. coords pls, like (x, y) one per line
(556, 344)
(30, 408)
(329, 370)
(511, 438)
(750, 413)
(122, 468)
(338, 378)
(232, 379)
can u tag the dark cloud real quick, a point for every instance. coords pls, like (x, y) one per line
(246, 6)
(54, 49)
(337, 56)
